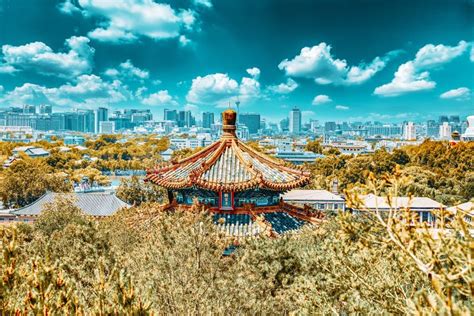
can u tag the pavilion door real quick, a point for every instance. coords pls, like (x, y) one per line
(226, 201)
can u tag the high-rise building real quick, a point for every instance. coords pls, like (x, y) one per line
(445, 131)
(442, 119)
(101, 115)
(106, 127)
(185, 119)
(251, 120)
(330, 127)
(454, 119)
(45, 109)
(284, 124)
(295, 121)
(29, 109)
(170, 115)
(207, 119)
(409, 131)
(432, 128)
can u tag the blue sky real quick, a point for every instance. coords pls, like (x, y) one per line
(334, 59)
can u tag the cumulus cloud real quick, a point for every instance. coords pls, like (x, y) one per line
(127, 70)
(127, 20)
(217, 89)
(212, 89)
(321, 99)
(414, 75)
(254, 72)
(472, 53)
(459, 94)
(284, 88)
(160, 98)
(342, 107)
(318, 63)
(184, 41)
(41, 58)
(68, 7)
(88, 90)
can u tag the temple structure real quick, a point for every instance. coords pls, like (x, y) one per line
(236, 183)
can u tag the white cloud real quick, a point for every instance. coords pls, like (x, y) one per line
(306, 114)
(284, 88)
(1, 89)
(414, 76)
(160, 98)
(127, 20)
(204, 3)
(41, 58)
(128, 71)
(88, 90)
(472, 53)
(7, 69)
(184, 41)
(68, 7)
(318, 63)
(459, 94)
(212, 89)
(342, 107)
(321, 99)
(254, 72)
(218, 89)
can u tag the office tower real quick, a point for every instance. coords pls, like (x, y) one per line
(432, 128)
(313, 125)
(170, 115)
(442, 119)
(295, 121)
(101, 115)
(45, 109)
(185, 119)
(284, 124)
(454, 119)
(207, 119)
(29, 109)
(121, 122)
(445, 131)
(329, 127)
(409, 131)
(106, 127)
(251, 120)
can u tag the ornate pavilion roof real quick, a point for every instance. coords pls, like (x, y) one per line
(228, 165)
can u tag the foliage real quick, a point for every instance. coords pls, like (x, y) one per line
(28, 179)
(135, 191)
(314, 146)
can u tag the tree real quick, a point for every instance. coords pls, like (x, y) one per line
(135, 191)
(314, 146)
(28, 179)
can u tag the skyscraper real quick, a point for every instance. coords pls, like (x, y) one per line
(45, 109)
(295, 121)
(409, 131)
(445, 131)
(207, 119)
(251, 120)
(185, 119)
(170, 115)
(101, 115)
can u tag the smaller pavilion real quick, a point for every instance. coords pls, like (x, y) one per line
(239, 185)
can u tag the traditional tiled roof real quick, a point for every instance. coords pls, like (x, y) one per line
(94, 204)
(228, 165)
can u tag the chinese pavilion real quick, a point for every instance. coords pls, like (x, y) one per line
(235, 182)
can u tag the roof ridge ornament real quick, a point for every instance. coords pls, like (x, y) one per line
(229, 118)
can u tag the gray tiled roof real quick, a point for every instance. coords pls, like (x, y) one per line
(94, 204)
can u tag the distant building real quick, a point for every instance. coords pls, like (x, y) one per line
(409, 131)
(442, 119)
(74, 140)
(251, 120)
(185, 119)
(423, 206)
(29, 109)
(92, 204)
(469, 133)
(298, 157)
(45, 109)
(285, 124)
(321, 200)
(330, 127)
(31, 151)
(170, 115)
(432, 128)
(107, 127)
(295, 121)
(207, 119)
(445, 131)
(101, 115)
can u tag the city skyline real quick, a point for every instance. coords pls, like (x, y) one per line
(333, 60)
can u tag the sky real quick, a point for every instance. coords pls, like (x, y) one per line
(333, 59)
